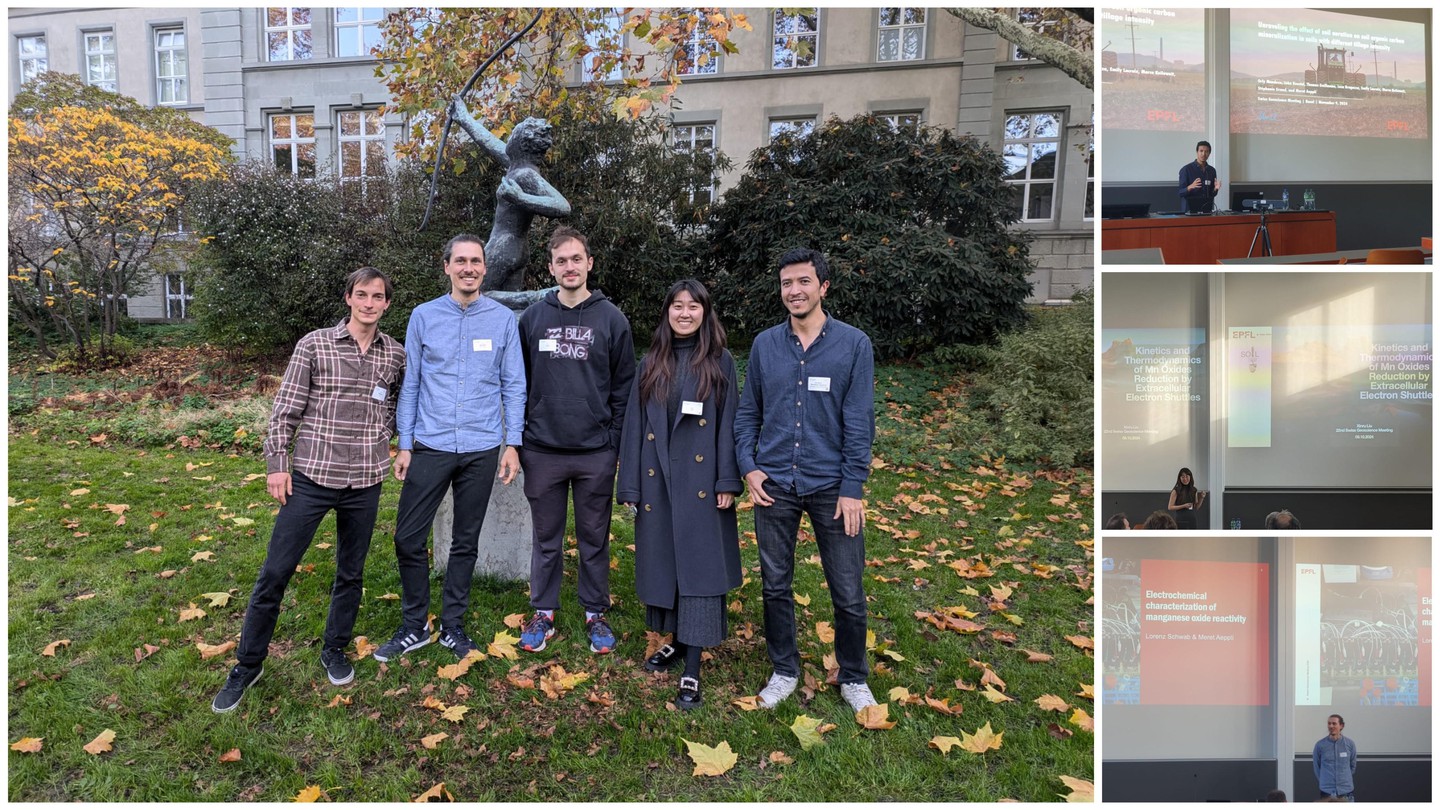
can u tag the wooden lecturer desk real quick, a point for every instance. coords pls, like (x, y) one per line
(1203, 240)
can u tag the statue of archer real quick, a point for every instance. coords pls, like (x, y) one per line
(522, 194)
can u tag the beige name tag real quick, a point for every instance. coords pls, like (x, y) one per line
(379, 393)
(819, 384)
(548, 344)
(691, 408)
(482, 345)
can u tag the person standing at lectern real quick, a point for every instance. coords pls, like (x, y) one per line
(1198, 183)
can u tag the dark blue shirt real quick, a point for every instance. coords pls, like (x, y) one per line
(1201, 199)
(807, 417)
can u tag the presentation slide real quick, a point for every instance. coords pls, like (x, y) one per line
(1153, 69)
(1153, 384)
(1310, 72)
(1360, 633)
(1339, 386)
(1188, 633)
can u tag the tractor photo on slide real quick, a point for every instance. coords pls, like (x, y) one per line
(1333, 78)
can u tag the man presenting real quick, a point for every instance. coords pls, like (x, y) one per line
(817, 374)
(1334, 762)
(336, 404)
(465, 372)
(579, 362)
(1198, 183)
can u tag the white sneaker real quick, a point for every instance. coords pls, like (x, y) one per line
(857, 695)
(779, 688)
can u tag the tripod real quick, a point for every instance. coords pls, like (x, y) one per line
(1262, 235)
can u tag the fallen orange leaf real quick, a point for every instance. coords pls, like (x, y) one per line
(435, 794)
(363, 647)
(211, 650)
(191, 613)
(747, 704)
(101, 743)
(432, 740)
(339, 700)
(781, 758)
(1080, 790)
(515, 621)
(311, 793)
(876, 717)
(455, 713)
(233, 755)
(1087, 690)
(984, 739)
(1082, 720)
(944, 707)
(944, 744)
(52, 646)
(825, 632)
(1082, 642)
(28, 745)
(1035, 657)
(1051, 703)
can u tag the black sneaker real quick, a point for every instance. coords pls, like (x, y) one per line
(402, 642)
(689, 697)
(241, 678)
(664, 659)
(337, 666)
(457, 642)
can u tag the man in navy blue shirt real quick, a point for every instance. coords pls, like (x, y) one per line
(816, 374)
(462, 401)
(1198, 183)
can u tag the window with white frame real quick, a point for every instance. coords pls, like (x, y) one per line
(178, 296)
(691, 139)
(357, 30)
(794, 127)
(292, 143)
(362, 144)
(606, 38)
(172, 66)
(1090, 181)
(287, 34)
(902, 120)
(100, 59)
(34, 56)
(1032, 148)
(699, 53)
(797, 38)
(902, 34)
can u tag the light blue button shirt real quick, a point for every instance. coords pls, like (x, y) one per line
(464, 388)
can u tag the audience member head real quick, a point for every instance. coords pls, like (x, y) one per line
(1282, 520)
(1159, 519)
(1276, 795)
(1118, 521)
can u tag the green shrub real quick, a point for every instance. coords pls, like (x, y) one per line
(914, 225)
(1040, 392)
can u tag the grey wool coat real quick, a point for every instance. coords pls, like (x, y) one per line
(672, 472)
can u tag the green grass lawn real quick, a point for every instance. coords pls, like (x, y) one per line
(77, 571)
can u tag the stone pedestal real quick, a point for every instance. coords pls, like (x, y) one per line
(504, 540)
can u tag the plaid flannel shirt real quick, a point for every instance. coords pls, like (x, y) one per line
(338, 406)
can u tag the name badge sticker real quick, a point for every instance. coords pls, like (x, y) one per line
(1344, 754)
(548, 344)
(481, 345)
(691, 408)
(819, 384)
(379, 393)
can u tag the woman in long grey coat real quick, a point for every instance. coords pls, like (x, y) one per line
(677, 469)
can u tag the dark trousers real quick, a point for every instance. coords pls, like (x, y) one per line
(843, 559)
(295, 527)
(549, 478)
(432, 472)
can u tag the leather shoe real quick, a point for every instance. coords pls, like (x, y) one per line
(664, 659)
(689, 696)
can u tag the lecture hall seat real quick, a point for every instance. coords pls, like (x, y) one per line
(1395, 256)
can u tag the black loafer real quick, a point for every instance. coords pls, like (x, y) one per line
(689, 697)
(663, 660)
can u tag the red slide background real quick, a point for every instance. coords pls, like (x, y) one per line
(1207, 673)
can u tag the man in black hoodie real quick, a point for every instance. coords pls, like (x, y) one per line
(579, 363)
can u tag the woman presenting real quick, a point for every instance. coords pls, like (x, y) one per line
(677, 469)
(1185, 499)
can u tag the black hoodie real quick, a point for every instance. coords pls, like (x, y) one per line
(579, 385)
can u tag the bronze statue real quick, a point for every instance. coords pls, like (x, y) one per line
(522, 194)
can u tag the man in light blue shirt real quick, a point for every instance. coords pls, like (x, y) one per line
(1334, 761)
(463, 399)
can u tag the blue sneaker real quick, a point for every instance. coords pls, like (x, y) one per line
(537, 631)
(602, 638)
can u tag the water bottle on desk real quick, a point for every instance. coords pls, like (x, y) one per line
(1285, 200)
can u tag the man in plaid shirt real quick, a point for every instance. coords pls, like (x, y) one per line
(337, 404)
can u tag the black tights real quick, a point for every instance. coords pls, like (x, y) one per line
(692, 657)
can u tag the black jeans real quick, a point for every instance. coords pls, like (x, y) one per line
(841, 556)
(294, 529)
(589, 479)
(432, 472)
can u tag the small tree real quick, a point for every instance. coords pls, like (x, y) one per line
(914, 222)
(94, 179)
